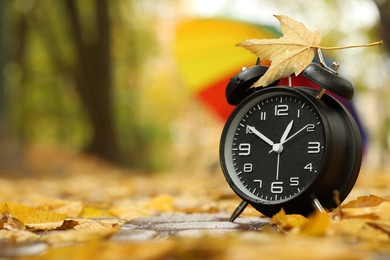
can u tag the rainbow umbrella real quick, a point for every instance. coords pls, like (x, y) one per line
(208, 58)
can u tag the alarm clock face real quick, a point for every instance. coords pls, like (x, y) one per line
(273, 146)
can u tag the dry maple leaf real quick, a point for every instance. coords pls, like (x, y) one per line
(291, 53)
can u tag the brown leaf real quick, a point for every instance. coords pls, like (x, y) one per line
(68, 224)
(289, 54)
(9, 222)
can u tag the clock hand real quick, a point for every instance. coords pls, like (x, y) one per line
(286, 132)
(277, 166)
(278, 147)
(262, 137)
(297, 132)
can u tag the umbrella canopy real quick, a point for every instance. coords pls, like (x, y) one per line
(207, 56)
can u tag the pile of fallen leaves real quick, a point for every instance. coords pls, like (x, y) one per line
(74, 207)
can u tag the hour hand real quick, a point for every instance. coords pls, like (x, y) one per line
(257, 133)
(286, 132)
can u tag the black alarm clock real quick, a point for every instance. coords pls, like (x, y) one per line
(291, 148)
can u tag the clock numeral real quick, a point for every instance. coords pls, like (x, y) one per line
(294, 181)
(263, 115)
(277, 187)
(310, 128)
(314, 147)
(309, 167)
(260, 183)
(248, 167)
(281, 110)
(248, 130)
(244, 149)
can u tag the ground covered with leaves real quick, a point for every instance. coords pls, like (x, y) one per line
(56, 205)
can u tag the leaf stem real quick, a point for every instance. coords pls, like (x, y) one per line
(348, 46)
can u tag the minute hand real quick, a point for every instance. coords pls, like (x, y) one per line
(297, 132)
(262, 137)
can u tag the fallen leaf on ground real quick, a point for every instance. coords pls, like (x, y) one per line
(367, 207)
(30, 215)
(7, 221)
(365, 201)
(288, 221)
(162, 203)
(90, 225)
(129, 209)
(85, 230)
(94, 212)
(71, 209)
(356, 229)
(18, 236)
(317, 224)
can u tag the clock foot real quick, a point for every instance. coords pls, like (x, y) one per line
(317, 205)
(237, 212)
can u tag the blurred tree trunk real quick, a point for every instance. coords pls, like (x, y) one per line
(2, 65)
(384, 11)
(384, 27)
(93, 78)
(10, 153)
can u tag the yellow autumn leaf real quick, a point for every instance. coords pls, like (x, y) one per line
(29, 215)
(291, 53)
(288, 221)
(316, 225)
(128, 209)
(93, 212)
(72, 209)
(161, 202)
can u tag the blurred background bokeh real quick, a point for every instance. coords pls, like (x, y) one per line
(138, 82)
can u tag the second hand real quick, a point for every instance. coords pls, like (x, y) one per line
(277, 166)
